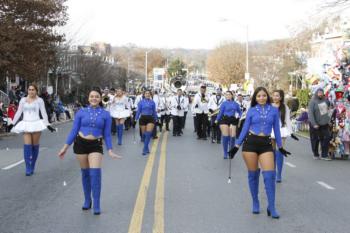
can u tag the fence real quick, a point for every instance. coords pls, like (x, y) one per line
(4, 98)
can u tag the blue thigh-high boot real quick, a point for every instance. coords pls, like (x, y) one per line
(95, 178)
(35, 154)
(253, 180)
(279, 165)
(225, 146)
(148, 136)
(232, 142)
(120, 129)
(85, 178)
(270, 188)
(27, 154)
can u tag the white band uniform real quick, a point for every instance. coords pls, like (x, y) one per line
(31, 119)
(119, 108)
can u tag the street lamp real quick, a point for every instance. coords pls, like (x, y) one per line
(246, 76)
(146, 63)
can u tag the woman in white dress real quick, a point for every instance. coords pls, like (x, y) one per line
(31, 126)
(120, 110)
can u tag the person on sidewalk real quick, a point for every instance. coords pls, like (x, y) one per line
(228, 118)
(261, 118)
(147, 116)
(319, 120)
(285, 129)
(91, 125)
(31, 126)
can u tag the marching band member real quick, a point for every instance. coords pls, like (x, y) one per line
(228, 119)
(242, 104)
(128, 120)
(285, 129)
(31, 126)
(187, 103)
(147, 116)
(120, 111)
(111, 96)
(165, 116)
(91, 125)
(200, 103)
(139, 97)
(214, 105)
(257, 147)
(156, 100)
(178, 106)
(161, 111)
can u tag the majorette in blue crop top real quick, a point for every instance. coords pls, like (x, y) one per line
(229, 108)
(261, 119)
(146, 107)
(94, 121)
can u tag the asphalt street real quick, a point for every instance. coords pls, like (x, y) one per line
(181, 187)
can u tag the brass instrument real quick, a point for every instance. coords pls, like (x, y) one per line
(105, 100)
(216, 112)
(178, 82)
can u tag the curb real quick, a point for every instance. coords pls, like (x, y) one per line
(2, 135)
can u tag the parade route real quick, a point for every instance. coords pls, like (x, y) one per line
(180, 187)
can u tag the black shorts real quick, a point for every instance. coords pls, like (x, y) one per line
(146, 119)
(257, 144)
(229, 120)
(86, 146)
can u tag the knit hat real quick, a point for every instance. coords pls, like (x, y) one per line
(319, 89)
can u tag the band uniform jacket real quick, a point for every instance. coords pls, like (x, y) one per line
(215, 103)
(175, 102)
(201, 103)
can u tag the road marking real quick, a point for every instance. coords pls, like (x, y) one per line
(325, 185)
(158, 226)
(290, 164)
(21, 161)
(137, 215)
(13, 165)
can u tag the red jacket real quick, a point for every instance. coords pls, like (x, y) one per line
(11, 111)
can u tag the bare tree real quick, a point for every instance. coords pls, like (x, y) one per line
(226, 63)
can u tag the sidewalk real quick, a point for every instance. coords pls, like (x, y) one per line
(53, 124)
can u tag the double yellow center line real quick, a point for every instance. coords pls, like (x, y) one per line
(137, 216)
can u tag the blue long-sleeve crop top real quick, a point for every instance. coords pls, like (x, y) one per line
(229, 108)
(94, 121)
(146, 107)
(261, 119)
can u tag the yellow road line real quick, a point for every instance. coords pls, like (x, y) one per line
(158, 226)
(137, 216)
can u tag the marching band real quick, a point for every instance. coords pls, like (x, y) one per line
(227, 116)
